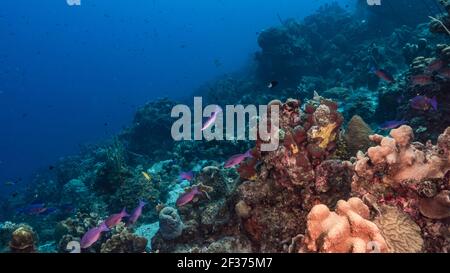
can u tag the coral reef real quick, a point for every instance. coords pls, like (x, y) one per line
(124, 242)
(398, 160)
(411, 176)
(76, 192)
(307, 138)
(150, 133)
(73, 229)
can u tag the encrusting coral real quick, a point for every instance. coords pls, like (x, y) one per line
(437, 207)
(345, 230)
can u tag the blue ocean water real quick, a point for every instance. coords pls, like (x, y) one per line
(71, 75)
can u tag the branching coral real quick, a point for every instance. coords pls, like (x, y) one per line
(346, 230)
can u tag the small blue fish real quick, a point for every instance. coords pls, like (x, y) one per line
(391, 124)
(48, 211)
(33, 209)
(382, 74)
(187, 175)
(424, 103)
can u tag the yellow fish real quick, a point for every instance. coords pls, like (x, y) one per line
(147, 176)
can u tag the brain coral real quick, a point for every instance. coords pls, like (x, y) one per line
(357, 135)
(346, 230)
(402, 234)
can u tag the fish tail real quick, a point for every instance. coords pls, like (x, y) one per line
(104, 227)
(124, 212)
(249, 153)
(433, 102)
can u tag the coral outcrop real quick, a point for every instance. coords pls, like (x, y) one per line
(124, 242)
(357, 135)
(306, 139)
(23, 240)
(170, 224)
(412, 177)
(345, 230)
(397, 160)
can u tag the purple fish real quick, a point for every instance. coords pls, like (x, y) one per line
(136, 213)
(187, 197)
(48, 211)
(115, 219)
(187, 175)
(392, 124)
(212, 119)
(424, 103)
(382, 74)
(92, 236)
(33, 209)
(67, 208)
(237, 159)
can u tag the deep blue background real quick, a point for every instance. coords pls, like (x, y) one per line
(66, 71)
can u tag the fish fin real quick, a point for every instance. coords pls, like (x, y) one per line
(124, 212)
(248, 153)
(433, 103)
(105, 227)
